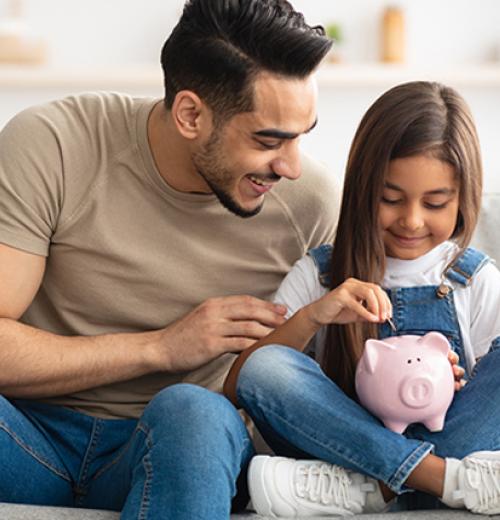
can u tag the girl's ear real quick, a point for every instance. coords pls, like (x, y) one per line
(192, 117)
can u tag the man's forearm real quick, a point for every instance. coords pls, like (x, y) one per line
(37, 363)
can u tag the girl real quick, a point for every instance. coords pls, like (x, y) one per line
(410, 204)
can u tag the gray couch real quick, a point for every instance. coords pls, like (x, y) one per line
(487, 238)
(8, 512)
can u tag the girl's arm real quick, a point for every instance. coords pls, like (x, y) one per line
(484, 309)
(349, 302)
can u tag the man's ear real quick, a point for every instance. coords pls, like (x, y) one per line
(191, 115)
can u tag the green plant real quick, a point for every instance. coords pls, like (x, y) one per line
(334, 31)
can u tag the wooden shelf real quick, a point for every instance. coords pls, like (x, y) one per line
(329, 75)
(378, 74)
(133, 76)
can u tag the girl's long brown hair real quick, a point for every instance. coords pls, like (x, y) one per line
(410, 119)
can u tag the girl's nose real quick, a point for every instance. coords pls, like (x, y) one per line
(412, 219)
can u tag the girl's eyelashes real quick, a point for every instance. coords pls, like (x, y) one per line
(385, 200)
(427, 205)
(436, 206)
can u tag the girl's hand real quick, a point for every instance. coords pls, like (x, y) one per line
(458, 371)
(352, 301)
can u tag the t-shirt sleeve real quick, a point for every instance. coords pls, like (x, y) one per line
(485, 309)
(30, 182)
(300, 286)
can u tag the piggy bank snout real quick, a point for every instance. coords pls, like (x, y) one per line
(417, 391)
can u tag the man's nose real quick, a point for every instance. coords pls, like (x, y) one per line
(287, 164)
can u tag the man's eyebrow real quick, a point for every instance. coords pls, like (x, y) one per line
(439, 191)
(281, 134)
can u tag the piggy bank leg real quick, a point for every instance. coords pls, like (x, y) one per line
(395, 426)
(434, 424)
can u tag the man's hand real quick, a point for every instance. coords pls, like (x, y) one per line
(217, 326)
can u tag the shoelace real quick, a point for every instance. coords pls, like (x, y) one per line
(484, 477)
(323, 483)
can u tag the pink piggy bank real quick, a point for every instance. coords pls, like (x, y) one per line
(406, 379)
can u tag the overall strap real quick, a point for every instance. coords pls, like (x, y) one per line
(466, 265)
(322, 256)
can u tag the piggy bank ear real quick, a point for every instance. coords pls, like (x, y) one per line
(374, 350)
(436, 341)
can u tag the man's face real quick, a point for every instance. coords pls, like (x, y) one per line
(243, 159)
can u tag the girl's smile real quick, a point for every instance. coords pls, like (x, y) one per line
(408, 241)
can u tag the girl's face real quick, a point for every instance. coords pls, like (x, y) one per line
(419, 206)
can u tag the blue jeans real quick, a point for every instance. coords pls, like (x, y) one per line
(301, 413)
(180, 460)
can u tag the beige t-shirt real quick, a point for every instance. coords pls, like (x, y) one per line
(126, 252)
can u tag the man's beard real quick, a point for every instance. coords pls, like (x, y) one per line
(209, 165)
(227, 201)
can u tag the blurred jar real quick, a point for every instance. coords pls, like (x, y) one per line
(393, 35)
(18, 44)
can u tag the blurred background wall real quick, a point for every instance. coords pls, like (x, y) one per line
(82, 45)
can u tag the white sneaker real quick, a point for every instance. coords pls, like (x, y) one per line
(281, 487)
(479, 482)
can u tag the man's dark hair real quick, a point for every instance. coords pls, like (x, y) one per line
(219, 46)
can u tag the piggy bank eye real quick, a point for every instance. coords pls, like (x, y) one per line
(418, 359)
(409, 361)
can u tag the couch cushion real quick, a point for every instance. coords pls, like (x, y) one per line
(22, 512)
(19, 512)
(487, 234)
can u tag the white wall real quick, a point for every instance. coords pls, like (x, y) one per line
(124, 31)
(340, 110)
(109, 32)
(440, 33)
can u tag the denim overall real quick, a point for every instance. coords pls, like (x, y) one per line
(302, 413)
(422, 309)
(418, 310)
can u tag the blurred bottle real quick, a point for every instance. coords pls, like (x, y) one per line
(18, 44)
(393, 35)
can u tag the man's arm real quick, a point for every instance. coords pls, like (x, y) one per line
(36, 363)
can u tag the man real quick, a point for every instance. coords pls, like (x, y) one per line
(129, 268)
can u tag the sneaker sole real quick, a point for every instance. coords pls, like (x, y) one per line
(256, 486)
